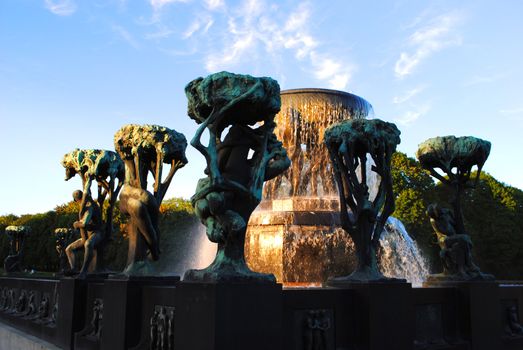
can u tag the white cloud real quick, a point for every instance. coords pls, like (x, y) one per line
(256, 29)
(412, 115)
(334, 72)
(61, 7)
(158, 4)
(407, 95)
(436, 35)
(126, 36)
(202, 24)
(214, 4)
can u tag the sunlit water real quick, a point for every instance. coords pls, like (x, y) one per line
(300, 126)
(400, 256)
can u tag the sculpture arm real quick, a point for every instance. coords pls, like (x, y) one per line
(85, 220)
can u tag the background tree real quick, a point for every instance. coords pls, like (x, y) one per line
(414, 190)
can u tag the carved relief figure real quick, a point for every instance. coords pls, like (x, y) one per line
(97, 320)
(43, 308)
(513, 326)
(31, 304)
(317, 323)
(153, 329)
(21, 302)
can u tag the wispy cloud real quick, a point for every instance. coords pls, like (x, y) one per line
(158, 4)
(126, 36)
(214, 4)
(61, 7)
(437, 34)
(198, 24)
(407, 95)
(413, 114)
(258, 27)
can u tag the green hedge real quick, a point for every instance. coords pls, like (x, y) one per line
(40, 253)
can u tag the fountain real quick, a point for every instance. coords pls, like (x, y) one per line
(297, 230)
(295, 233)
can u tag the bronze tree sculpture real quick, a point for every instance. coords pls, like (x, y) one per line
(16, 236)
(107, 169)
(349, 143)
(455, 158)
(238, 163)
(145, 149)
(63, 237)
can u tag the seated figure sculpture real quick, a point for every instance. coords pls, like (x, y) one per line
(450, 159)
(89, 225)
(456, 249)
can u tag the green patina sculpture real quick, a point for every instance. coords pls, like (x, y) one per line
(145, 149)
(107, 169)
(454, 157)
(63, 237)
(349, 143)
(238, 163)
(16, 236)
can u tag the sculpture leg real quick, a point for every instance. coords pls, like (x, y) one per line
(145, 226)
(70, 252)
(90, 244)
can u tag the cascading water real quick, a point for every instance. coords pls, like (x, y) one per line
(400, 256)
(295, 233)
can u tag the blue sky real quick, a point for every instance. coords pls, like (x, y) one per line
(72, 72)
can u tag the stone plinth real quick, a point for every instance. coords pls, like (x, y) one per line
(382, 316)
(478, 305)
(228, 316)
(122, 299)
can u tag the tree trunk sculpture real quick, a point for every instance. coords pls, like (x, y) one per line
(16, 236)
(144, 149)
(349, 144)
(237, 164)
(107, 169)
(454, 157)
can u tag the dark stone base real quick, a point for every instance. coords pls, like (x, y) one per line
(228, 316)
(478, 308)
(71, 311)
(123, 308)
(88, 338)
(318, 318)
(142, 313)
(382, 317)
